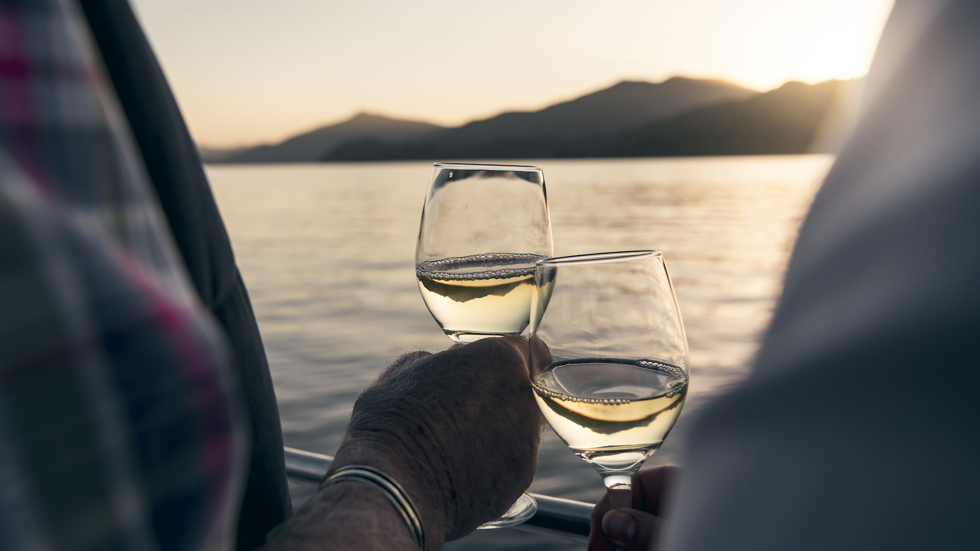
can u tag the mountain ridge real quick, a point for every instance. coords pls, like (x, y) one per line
(677, 117)
(785, 120)
(781, 121)
(309, 146)
(609, 110)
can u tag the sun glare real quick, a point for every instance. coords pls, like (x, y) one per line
(830, 39)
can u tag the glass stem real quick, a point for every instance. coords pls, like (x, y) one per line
(620, 490)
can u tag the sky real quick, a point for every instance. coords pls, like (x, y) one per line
(251, 71)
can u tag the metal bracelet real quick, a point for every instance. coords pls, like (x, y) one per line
(391, 489)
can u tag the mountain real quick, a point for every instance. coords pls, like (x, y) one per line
(781, 121)
(677, 117)
(311, 146)
(609, 111)
(612, 109)
(218, 154)
(784, 120)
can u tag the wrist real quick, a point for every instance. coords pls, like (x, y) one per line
(390, 488)
(392, 458)
(344, 516)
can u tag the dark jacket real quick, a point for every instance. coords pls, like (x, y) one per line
(175, 170)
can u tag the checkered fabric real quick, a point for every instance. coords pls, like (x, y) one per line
(119, 426)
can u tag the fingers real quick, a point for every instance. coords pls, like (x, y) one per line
(409, 358)
(402, 363)
(597, 539)
(636, 528)
(629, 529)
(534, 352)
(652, 487)
(505, 356)
(529, 356)
(626, 529)
(540, 356)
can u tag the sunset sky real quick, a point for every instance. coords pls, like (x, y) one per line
(251, 71)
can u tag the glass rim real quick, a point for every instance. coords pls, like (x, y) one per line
(488, 166)
(598, 258)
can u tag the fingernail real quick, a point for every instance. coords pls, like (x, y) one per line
(619, 525)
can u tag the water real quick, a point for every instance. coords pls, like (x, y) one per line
(327, 252)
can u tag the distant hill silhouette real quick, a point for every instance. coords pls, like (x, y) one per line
(607, 112)
(621, 106)
(677, 117)
(780, 121)
(611, 110)
(219, 154)
(311, 146)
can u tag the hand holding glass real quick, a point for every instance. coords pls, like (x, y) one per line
(618, 374)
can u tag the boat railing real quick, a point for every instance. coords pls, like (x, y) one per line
(554, 514)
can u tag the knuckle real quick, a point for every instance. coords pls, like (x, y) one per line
(410, 358)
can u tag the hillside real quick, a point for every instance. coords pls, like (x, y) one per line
(780, 121)
(621, 106)
(609, 111)
(218, 154)
(784, 120)
(311, 146)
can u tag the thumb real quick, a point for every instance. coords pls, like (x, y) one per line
(632, 530)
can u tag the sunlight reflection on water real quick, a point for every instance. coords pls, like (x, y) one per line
(327, 252)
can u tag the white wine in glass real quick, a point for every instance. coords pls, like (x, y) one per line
(484, 227)
(618, 375)
(479, 295)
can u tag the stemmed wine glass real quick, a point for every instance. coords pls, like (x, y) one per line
(618, 372)
(483, 229)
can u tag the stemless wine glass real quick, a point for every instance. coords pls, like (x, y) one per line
(618, 371)
(483, 229)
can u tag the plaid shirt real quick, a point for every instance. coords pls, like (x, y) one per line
(119, 426)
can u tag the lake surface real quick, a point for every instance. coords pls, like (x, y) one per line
(327, 253)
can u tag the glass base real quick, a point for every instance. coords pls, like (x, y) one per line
(522, 509)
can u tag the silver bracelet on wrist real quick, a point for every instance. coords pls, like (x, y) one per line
(390, 488)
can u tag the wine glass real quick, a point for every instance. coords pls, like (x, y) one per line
(618, 372)
(483, 229)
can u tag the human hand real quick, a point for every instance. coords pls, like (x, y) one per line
(458, 429)
(636, 529)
